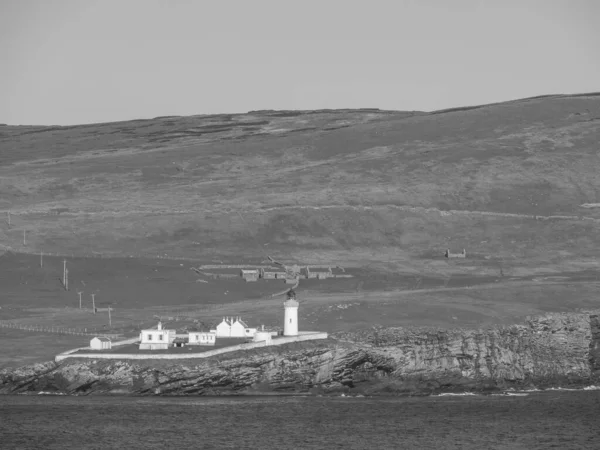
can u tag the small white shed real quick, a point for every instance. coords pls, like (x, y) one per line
(100, 343)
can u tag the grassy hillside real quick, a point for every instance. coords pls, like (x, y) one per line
(382, 193)
(357, 186)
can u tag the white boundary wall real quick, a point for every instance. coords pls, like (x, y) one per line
(304, 336)
(68, 353)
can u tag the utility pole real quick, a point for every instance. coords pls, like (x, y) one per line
(65, 274)
(66, 279)
(94, 303)
(80, 299)
(109, 319)
(24, 239)
(41, 259)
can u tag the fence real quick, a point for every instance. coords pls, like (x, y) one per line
(233, 266)
(58, 330)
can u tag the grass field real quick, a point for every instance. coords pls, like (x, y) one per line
(134, 205)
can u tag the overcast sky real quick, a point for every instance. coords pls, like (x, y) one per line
(84, 61)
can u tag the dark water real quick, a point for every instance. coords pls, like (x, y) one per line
(561, 420)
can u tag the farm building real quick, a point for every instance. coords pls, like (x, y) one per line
(156, 338)
(201, 338)
(269, 275)
(449, 254)
(250, 274)
(233, 327)
(320, 273)
(100, 343)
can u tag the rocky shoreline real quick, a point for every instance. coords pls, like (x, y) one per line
(550, 351)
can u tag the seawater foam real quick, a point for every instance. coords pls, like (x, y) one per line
(460, 394)
(510, 394)
(586, 388)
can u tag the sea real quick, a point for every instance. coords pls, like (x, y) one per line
(527, 420)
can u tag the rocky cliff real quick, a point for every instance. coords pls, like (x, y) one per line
(557, 349)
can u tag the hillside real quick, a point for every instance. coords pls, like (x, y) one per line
(353, 186)
(137, 205)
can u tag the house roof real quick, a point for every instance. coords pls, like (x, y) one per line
(102, 339)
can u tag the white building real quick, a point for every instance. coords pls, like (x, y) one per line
(100, 343)
(201, 338)
(233, 327)
(264, 336)
(156, 338)
(290, 324)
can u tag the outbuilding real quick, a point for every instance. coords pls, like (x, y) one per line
(263, 336)
(179, 342)
(201, 338)
(100, 343)
(250, 274)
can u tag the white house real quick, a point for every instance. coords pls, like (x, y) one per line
(233, 327)
(201, 338)
(100, 343)
(156, 338)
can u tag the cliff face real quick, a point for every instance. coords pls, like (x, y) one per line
(551, 350)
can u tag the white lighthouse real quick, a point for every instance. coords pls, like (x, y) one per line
(290, 325)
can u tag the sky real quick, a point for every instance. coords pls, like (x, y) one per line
(83, 61)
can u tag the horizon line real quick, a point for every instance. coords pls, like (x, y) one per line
(437, 111)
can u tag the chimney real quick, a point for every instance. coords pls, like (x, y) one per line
(159, 325)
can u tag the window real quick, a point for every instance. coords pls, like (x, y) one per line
(149, 337)
(160, 337)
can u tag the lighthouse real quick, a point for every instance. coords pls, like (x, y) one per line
(290, 325)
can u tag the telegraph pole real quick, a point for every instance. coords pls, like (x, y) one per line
(24, 239)
(64, 273)
(80, 299)
(94, 303)
(66, 279)
(109, 319)
(41, 259)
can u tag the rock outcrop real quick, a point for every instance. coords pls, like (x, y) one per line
(557, 349)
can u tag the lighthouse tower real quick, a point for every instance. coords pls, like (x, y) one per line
(290, 325)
